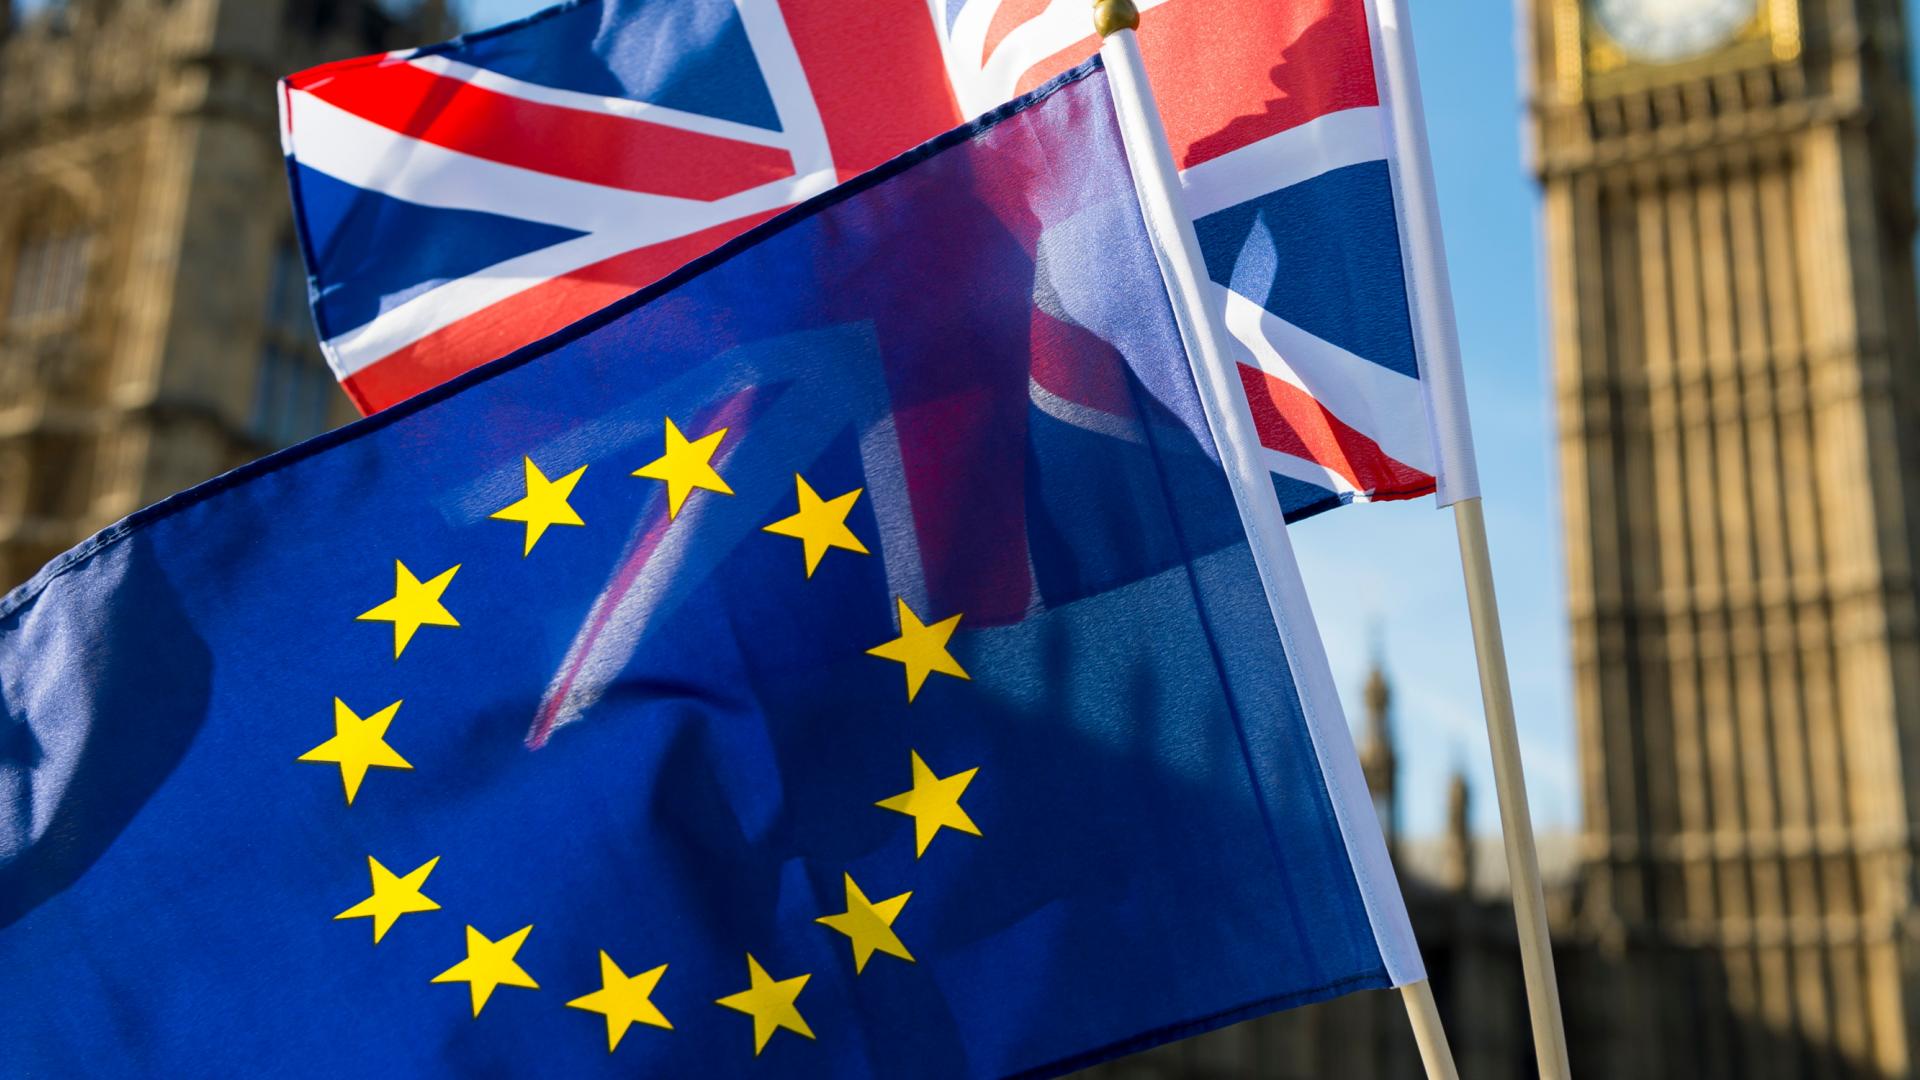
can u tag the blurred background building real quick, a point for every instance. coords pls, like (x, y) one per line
(153, 310)
(1728, 223)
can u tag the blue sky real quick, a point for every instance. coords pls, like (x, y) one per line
(1387, 577)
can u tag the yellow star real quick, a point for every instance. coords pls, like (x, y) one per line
(392, 897)
(685, 466)
(623, 999)
(770, 1003)
(869, 926)
(358, 745)
(489, 964)
(415, 604)
(933, 804)
(820, 524)
(545, 503)
(922, 649)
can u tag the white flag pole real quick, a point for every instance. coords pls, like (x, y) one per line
(1430, 294)
(1190, 290)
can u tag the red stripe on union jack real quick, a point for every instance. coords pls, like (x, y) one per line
(591, 146)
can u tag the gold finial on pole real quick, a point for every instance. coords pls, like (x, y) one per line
(1112, 15)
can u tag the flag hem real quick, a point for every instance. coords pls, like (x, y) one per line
(1423, 257)
(1334, 500)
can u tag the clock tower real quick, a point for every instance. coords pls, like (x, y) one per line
(1729, 225)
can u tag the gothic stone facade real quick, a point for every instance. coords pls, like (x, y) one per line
(1736, 360)
(153, 324)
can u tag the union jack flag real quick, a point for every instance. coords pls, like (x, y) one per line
(458, 201)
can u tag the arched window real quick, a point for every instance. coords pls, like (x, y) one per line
(293, 392)
(49, 275)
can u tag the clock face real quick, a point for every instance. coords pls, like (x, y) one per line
(1667, 30)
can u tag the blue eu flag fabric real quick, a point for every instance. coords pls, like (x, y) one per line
(842, 659)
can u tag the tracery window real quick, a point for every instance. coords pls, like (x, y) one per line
(49, 276)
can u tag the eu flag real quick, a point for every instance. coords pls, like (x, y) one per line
(841, 659)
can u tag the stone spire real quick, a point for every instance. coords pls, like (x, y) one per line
(1378, 762)
(1457, 870)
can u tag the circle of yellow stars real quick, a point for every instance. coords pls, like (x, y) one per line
(359, 744)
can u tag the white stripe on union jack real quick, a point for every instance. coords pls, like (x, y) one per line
(1294, 156)
(613, 221)
(462, 200)
(1371, 398)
